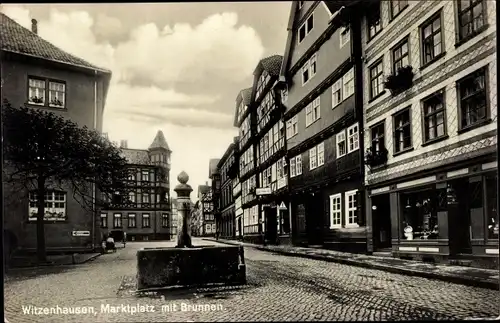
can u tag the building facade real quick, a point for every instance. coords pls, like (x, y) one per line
(206, 224)
(145, 212)
(228, 169)
(322, 92)
(175, 219)
(431, 129)
(38, 75)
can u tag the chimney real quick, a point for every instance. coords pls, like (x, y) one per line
(34, 26)
(123, 144)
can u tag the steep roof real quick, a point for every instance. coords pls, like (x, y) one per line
(271, 64)
(17, 39)
(213, 166)
(244, 95)
(136, 156)
(159, 141)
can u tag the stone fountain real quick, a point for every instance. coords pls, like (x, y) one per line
(187, 265)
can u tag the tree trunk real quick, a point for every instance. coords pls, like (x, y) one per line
(40, 228)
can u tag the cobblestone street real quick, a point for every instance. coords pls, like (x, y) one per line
(279, 288)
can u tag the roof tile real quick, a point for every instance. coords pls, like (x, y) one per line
(136, 156)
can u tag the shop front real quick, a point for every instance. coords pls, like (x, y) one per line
(276, 218)
(443, 217)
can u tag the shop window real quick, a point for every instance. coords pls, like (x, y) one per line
(420, 220)
(491, 203)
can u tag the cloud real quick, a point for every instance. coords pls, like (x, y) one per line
(149, 64)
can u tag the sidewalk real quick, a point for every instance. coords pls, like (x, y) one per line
(485, 278)
(52, 260)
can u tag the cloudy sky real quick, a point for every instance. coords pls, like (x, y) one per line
(177, 67)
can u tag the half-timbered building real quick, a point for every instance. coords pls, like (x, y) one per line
(144, 210)
(227, 167)
(431, 129)
(320, 80)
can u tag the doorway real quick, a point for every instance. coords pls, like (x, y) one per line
(240, 228)
(271, 221)
(314, 223)
(461, 197)
(381, 218)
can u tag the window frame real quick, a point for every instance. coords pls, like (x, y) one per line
(393, 14)
(104, 224)
(337, 88)
(132, 216)
(344, 31)
(163, 217)
(397, 128)
(117, 218)
(298, 161)
(320, 154)
(347, 194)
(313, 158)
(399, 46)
(346, 84)
(369, 22)
(337, 142)
(486, 91)
(47, 92)
(33, 210)
(426, 115)
(379, 77)
(373, 139)
(143, 217)
(349, 136)
(461, 38)
(430, 22)
(334, 212)
(304, 25)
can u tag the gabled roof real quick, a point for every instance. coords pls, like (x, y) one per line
(228, 151)
(244, 95)
(271, 64)
(136, 156)
(159, 141)
(331, 7)
(17, 39)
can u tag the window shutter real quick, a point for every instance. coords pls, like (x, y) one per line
(360, 209)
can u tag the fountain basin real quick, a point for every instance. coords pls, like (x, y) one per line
(187, 267)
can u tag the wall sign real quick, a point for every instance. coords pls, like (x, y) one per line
(81, 233)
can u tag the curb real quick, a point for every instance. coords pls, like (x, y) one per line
(54, 264)
(489, 284)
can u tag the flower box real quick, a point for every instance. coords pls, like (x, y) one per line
(400, 81)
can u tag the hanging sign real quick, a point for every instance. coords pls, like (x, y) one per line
(282, 206)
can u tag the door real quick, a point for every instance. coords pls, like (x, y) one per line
(314, 225)
(460, 200)
(240, 227)
(381, 219)
(271, 220)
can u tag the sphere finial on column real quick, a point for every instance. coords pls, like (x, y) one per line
(183, 177)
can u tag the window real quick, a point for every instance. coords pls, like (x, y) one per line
(145, 220)
(104, 220)
(313, 159)
(39, 89)
(335, 211)
(321, 154)
(353, 137)
(296, 166)
(145, 176)
(291, 127)
(131, 175)
(337, 93)
(402, 130)
(345, 36)
(164, 220)
(117, 220)
(306, 28)
(420, 220)
(377, 137)
(341, 144)
(374, 23)
(313, 112)
(55, 206)
(472, 99)
(432, 39)
(434, 116)
(132, 223)
(471, 17)
(57, 94)
(309, 69)
(284, 96)
(348, 84)
(400, 56)
(131, 197)
(376, 79)
(351, 208)
(145, 198)
(491, 205)
(397, 6)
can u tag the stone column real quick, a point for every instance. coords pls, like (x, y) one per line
(183, 191)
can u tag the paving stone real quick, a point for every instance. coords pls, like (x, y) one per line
(279, 288)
